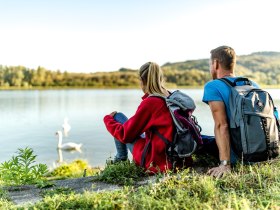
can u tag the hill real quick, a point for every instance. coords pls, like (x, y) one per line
(263, 67)
(258, 61)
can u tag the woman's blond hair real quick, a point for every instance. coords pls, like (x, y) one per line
(152, 78)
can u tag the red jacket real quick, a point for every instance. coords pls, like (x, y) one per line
(152, 112)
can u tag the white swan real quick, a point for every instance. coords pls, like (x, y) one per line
(68, 145)
(66, 127)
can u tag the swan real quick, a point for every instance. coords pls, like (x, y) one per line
(66, 127)
(68, 145)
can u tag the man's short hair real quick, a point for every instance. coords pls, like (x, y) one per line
(225, 55)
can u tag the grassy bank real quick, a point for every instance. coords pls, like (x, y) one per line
(247, 187)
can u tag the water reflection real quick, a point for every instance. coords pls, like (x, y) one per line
(60, 156)
(59, 161)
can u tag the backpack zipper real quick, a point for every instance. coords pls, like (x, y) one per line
(245, 127)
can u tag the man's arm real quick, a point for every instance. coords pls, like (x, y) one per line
(222, 136)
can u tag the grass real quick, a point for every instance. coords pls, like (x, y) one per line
(121, 173)
(57, 191)
(247, 187)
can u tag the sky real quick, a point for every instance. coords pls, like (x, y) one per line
(106, 35)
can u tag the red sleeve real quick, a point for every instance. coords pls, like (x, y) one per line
(132, 128)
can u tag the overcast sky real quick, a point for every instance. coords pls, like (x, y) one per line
(105, 35)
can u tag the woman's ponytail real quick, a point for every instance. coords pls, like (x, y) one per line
(152, 78)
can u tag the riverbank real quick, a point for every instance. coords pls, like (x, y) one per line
(30, 195)
(247, 187)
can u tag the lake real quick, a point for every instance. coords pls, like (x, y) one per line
(30, 118)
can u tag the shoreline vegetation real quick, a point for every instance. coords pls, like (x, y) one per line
(261, 67)
(114, 88)
(126, 186)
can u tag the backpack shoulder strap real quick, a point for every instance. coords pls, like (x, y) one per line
(166, 141)
(143, 157)
(234, 83)
(157, 95)
(227, 82)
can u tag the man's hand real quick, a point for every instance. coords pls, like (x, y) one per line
(219, 171)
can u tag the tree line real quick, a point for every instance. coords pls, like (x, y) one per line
(263, 67)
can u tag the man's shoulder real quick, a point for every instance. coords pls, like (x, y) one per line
(232, 79)
(214, 91)
(217, 83)
(213, 84)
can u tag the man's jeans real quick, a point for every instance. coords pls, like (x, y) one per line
(210, 147)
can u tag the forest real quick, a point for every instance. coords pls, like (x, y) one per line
(262, 67)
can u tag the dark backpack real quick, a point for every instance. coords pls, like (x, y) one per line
(187, 131)
(254, 130)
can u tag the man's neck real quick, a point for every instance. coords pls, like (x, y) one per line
(226, 74)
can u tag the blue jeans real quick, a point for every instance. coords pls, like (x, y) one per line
(121, 147)
(209, 146)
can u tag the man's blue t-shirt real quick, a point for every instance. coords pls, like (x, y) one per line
(217, 90)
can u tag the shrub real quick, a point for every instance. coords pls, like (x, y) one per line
(21, 169)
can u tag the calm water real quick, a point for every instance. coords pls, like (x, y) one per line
(31, 118)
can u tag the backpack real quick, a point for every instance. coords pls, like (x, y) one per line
(254, 130)
(187, 131)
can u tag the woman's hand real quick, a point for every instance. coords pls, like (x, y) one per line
(113, 113)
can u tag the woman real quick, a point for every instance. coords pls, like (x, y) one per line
(148, 150)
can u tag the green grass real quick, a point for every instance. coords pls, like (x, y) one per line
(247, 187)
(121, 173)
(57, 191)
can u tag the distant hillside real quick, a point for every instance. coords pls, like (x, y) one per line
(259, 61)
(202, 64)
(263, 67)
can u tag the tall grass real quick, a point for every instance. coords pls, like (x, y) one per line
(247, 187)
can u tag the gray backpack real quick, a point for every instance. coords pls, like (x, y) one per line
(187, 131)
(254, 130)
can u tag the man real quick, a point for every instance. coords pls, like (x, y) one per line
(216, 95)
